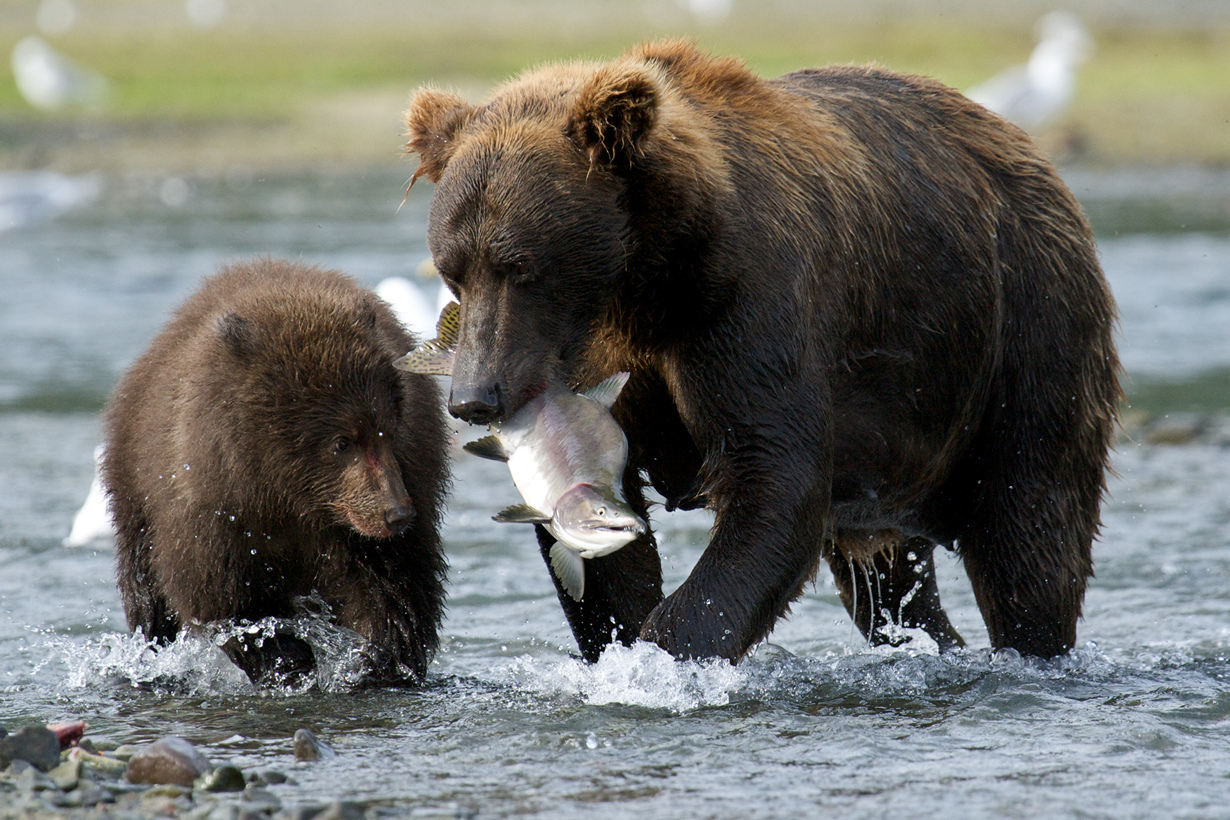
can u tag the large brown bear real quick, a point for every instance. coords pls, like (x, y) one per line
(863, 317)
(264, 448)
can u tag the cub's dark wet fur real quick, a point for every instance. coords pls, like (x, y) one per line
(264, 448)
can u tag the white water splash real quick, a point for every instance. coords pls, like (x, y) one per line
(640, 675)
(190, 661)
(194, 660)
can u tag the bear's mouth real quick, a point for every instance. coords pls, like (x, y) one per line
(365, 525)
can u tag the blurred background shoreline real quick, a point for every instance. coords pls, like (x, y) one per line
(208, 86)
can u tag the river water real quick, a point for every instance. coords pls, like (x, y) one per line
(1134, 723)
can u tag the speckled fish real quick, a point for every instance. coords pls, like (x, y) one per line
(566, 454)
(435, 358)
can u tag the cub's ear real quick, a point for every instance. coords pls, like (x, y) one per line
(433, 121)
(238, 334)
(614, 116)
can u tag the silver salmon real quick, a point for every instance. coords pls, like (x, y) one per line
(566, 454)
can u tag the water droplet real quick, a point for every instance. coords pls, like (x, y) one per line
(254, 552)
(591, 742)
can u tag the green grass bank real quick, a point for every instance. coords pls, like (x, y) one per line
(321, 85)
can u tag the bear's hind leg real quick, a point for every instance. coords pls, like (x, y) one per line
(887, 584)
(1029, 572)
(1033, 503)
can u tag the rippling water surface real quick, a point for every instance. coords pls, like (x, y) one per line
(1134, 723)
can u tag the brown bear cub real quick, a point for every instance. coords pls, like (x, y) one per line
(263, 449)
(862, 315)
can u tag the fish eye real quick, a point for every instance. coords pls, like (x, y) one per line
(600, 512)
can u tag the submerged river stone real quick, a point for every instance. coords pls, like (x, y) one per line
(170, 760)
(223, 779)
(308, 748)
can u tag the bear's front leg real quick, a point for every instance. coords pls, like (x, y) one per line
(766, 545)
(621, 589)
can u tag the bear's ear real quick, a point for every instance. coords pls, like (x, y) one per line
(433, 121)
(238, 334)
(614, 115)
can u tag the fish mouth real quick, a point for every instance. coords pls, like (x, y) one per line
(633, 527)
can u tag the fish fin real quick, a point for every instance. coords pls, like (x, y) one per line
(521, 514)
(486, 447)
(427, 361)
(435, 357)
(606, 391)
(448, 328)
(569, 568)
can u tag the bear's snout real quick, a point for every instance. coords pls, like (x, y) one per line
(477, 404)
(399, 517)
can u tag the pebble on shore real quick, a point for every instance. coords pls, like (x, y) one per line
(169, 777)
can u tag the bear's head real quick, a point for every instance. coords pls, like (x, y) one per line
(554, 202)
(316, 417)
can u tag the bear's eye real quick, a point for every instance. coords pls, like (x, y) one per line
(340, 445)
(520, 271)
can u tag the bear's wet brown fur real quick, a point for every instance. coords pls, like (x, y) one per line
(263, 449)
(862, 314)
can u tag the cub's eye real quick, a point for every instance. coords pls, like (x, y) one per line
(340, 445)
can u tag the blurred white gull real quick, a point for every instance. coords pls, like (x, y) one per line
(27, 197)
(93, 521)
(413, 303)
(1034, 94)
(49, 80)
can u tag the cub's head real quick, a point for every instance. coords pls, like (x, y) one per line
(545, 196)
(317, 418)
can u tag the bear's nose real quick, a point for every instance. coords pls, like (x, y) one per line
(399, 517)
(477, 405)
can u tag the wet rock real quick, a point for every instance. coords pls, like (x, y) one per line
(339, 810)
(223, 779)
(67, 774)
(14, 769)
(124, 752)
(169, 760)
(308, 748)
(220, 811)
(34, 744)
(172, 790)
(268, 777)
(107, 766)
(261, 799)
(33, 780)
(165, 799)
(303, 811)
(85, 796)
